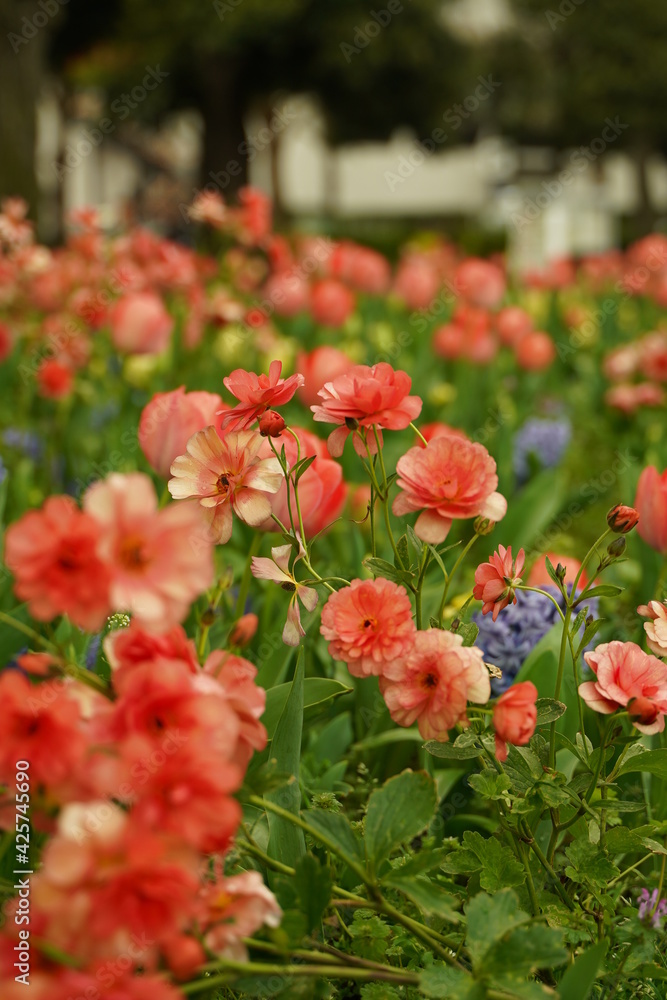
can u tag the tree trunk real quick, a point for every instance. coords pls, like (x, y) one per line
(224, 156)
(21, 68)
(645, 216)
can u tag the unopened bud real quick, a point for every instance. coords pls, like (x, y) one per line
(208, 617)
(483, 526)
(561, 571)
(243, 630)
(643, 710)
(622, 519)
(617, 547)
(271, 424)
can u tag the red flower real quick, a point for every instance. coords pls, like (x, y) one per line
(514, 717)
(622, 518)
(497, 579)
(331, 302)
(257, 394)
(54, 379)
(449, 478)
(366, 397)
(368, 625)
(54, 554)
(651, 504)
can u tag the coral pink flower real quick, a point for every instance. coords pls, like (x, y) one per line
(362, 268)
(436, 430)
(514, 717)
(253, 218)
(416, 281)
(160, 560)
(629, 397)
(331, 302)
(168, 422)
(257, 394)
(368, 625)
(321, 365)
(366, 397)
(277, 569)
(236, 677)
(450, 478)
(653, 356)
(535, 351)
(129, 647)
(651, 502)
(54, 379)
(234, 908)
(621, 363)
(226, 474)
(496, 580)
(41, 724)
(286, 293)
(656, 628)
(243, 631)
(481, 282)
(140, 324)
(432, 684)
(55, 556)
(513, 323)
(627, 675)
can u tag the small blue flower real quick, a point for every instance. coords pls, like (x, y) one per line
(545, 441)
(507, 642)
(93, 650)
(24, 441)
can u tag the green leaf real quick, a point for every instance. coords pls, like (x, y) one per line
(549, 710)
(336, 828)
(388, 738)
(316, 692)
(440, 981)
(397, 812)
(578, 980)
(551, 570)
(526, 949)
(489, 784)
(652, 762)
(533, 509)
(302, 467)
(498, 866)
(449, 751)
(589, 864)
(468, 632)
(313, 889)
(380, 567)
(286, 841)
(489, 919)
(604, 590)
(403, 553)
(428, 896)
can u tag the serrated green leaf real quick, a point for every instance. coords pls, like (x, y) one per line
(496, 863)
(650, 762)
(549, 710)
(380, 567)
(397, 812)
(489, 919)
(589, 864)
(440, 981)
(430, 897)
(489, 783)
(525, 950)
(336, 828)
(448, 751)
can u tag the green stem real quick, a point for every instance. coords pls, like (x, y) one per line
(559, 680)
(547, 867)
(292, 971)
(450, 576)
(529, 880)
(419, 434)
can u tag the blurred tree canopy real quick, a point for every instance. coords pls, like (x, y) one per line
(569, 65)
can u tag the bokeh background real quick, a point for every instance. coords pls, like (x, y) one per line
(535, 126)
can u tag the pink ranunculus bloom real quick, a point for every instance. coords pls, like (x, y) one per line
(286, 293)
(514, 717)
(535, 351)
(277, 569)
(628, 397)
(368, 625)
(323, 364)
(160, 560)
(140, 324)
(513, 323)
(656, 627)
(621, 363)
(257, 394)
(432, 684)
(168, 422)
(55, 556)
(254, 216)
(653, 356)
(233, 909)
(226, 474)
(436, 430)
(363, 398)
(481, 282)
(496, 580)
(651, 502)
(417, 281)
(126, 648)
(450, 478)
(331, 302)
(626, 675)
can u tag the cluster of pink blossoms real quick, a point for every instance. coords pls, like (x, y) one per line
(136, 791)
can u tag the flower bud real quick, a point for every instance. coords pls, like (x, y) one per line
(483, 526)
(243, 630)
(617, 547)
(622, 518)
(643, 710)
(271, 424)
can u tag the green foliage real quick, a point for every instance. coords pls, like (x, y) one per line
(396, 813)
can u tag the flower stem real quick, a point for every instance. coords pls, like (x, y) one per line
(450, 576)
